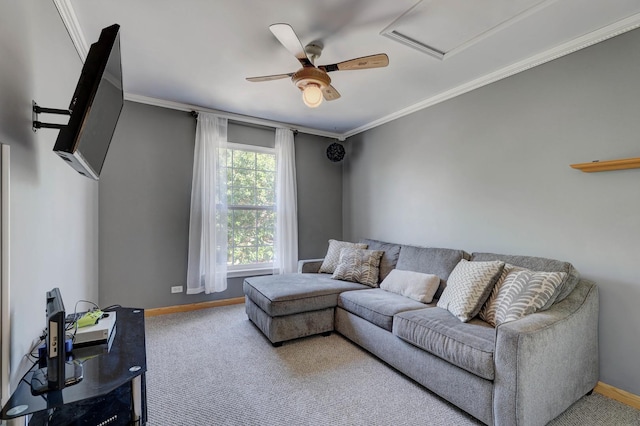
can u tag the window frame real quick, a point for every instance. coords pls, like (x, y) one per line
(251, 268)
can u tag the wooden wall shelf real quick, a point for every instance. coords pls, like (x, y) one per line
(604, 166)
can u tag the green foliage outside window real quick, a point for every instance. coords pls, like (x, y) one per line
(251, 201)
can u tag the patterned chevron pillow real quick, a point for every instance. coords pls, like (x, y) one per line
(333, 255)
(520, 292)
(468, 287)
(359, 266)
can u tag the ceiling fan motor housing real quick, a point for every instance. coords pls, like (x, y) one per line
(309, 75)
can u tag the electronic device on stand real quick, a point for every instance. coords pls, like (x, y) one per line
(57, 373)
(113, 388)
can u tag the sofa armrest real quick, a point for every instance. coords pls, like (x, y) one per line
(546, 361)
(309, 266)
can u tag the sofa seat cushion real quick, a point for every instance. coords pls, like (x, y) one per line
(376, 305)
(467, 345)
(287, 294)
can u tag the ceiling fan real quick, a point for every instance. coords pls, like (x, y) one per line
(312, 80)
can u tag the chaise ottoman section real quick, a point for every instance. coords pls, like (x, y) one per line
(290, 306)
(279, 295)
(288, 327)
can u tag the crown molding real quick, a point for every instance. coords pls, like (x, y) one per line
(70, 20)
(231, 116)
(605, 33)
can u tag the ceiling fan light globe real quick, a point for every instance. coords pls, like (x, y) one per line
(312, 95)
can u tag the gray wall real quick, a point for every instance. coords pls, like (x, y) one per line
(54, 210)
(145, 192)
(319, 196)
(489, 171)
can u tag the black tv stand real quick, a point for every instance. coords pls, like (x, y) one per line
(111, 392)
(40, 383)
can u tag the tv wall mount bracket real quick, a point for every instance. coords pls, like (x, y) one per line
(36, 110)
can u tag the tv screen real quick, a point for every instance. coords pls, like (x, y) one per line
(95, 107)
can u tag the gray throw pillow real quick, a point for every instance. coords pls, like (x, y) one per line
(468, 287)
(332, 258)
(359, 266)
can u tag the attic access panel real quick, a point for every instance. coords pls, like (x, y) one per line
(442, 28)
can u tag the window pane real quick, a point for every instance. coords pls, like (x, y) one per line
(244, 236)
(266, 219)
(266, 162)
(243, 218)
(244, 159)
(250, 185)
(243, 196)
(265, 180)
(265, 254)
(243, 177)
(265, 197)
(264, 236)
(238, 257)
(246, 255)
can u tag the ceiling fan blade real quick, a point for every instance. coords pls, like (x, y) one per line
(285, 34)
(371, 61)
(330, 93)
(268, 77)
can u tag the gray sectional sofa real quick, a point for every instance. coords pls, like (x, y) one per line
(523, 372)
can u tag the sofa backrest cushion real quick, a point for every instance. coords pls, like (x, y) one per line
(538, 264)
(431, 260)
(389, 258)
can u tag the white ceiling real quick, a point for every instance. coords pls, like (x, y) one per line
(197, 53)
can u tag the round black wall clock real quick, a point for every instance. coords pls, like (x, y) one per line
(335, 152)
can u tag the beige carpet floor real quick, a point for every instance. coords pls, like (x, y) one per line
(213, 367)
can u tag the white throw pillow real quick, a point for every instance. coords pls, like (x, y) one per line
(414, 285)
(468, 287)
(332, 258)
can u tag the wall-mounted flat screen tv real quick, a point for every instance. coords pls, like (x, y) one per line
(95, 107)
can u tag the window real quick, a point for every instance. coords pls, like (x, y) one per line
(251, 176)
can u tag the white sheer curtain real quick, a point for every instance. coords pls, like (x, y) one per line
(207, 262)
(286, 238)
